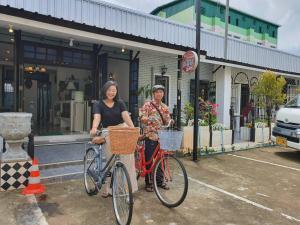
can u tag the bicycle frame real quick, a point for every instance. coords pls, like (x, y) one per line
(102, 173)
(157, 155)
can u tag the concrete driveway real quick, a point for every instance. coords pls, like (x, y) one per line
(260, 187)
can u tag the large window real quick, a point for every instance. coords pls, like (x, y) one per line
(7, 90)
(54, 55)
(40, 53)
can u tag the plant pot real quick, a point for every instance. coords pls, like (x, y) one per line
(14, 128)
(188, 135)
(217, 138)
(245, 133)
(262, 135)
(203, 138)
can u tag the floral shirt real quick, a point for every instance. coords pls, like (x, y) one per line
(154, 119)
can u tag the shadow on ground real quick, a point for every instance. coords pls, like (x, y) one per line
(290, 155)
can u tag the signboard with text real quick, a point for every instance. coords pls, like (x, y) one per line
(189, 62)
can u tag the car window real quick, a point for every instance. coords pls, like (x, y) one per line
(294, 103)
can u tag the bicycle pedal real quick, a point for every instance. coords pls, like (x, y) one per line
(98, 185)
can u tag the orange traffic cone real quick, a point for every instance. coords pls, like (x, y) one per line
(34, 185)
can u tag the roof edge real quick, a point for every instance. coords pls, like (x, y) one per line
(251, 65)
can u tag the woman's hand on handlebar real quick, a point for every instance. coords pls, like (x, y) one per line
(93, 131)
(171, 122)
(144, 120)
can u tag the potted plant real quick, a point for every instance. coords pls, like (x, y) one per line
(220, 135)
(269, 91)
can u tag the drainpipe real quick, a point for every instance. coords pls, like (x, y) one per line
(226, 29)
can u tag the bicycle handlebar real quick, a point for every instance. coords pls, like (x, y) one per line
(169, 124)
(98, 132)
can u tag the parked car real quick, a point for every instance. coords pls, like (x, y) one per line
(287, 129)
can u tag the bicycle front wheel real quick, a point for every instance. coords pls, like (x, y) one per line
(90, 170)
(122, 195)
(170, 181)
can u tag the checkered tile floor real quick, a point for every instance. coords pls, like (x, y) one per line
(14, 175)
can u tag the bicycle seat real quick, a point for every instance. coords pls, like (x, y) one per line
(98, 140)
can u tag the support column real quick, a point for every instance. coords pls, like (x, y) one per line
(17, 54)
(223, 95)
(96, 78)
(179, 80)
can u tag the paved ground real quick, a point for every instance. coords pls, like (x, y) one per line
(260, 187)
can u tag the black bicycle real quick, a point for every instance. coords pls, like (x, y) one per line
(96, 173)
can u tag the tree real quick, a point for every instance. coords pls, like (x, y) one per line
(269, 91)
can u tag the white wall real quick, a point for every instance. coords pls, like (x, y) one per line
(223, 95)
(148, 60)
(120, 71)
(156, 61)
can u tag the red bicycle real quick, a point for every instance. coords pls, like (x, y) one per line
(166, 165)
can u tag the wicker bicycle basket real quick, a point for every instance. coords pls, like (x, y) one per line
(123, 140)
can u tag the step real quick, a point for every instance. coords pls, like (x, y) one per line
(59, 172)
(40, 140)
(49, 154)
(60, 162)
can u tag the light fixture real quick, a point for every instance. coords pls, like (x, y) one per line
(29, 69)
(7, 51)
(71, 43)
(32, 69)
(43, 69)
(123, 49)
(10, 29)
(6, 59)
(163, 70)
(12, 40)
(71, 86)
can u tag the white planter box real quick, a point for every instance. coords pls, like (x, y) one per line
(245, 133)
(217, 138)
(204, 136)
(188, 135)
(262, 135)
(203, 141)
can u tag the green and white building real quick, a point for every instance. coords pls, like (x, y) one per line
(242, 25)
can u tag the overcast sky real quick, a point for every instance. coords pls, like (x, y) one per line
(282, 12)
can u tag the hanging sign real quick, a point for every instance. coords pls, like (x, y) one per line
(189, 62)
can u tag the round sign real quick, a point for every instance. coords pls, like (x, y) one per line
(189, 62)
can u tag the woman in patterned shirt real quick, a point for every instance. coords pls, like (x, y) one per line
(153, 115)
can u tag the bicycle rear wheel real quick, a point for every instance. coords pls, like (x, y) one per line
(90, 171)
(170, 183)
(122, 195)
